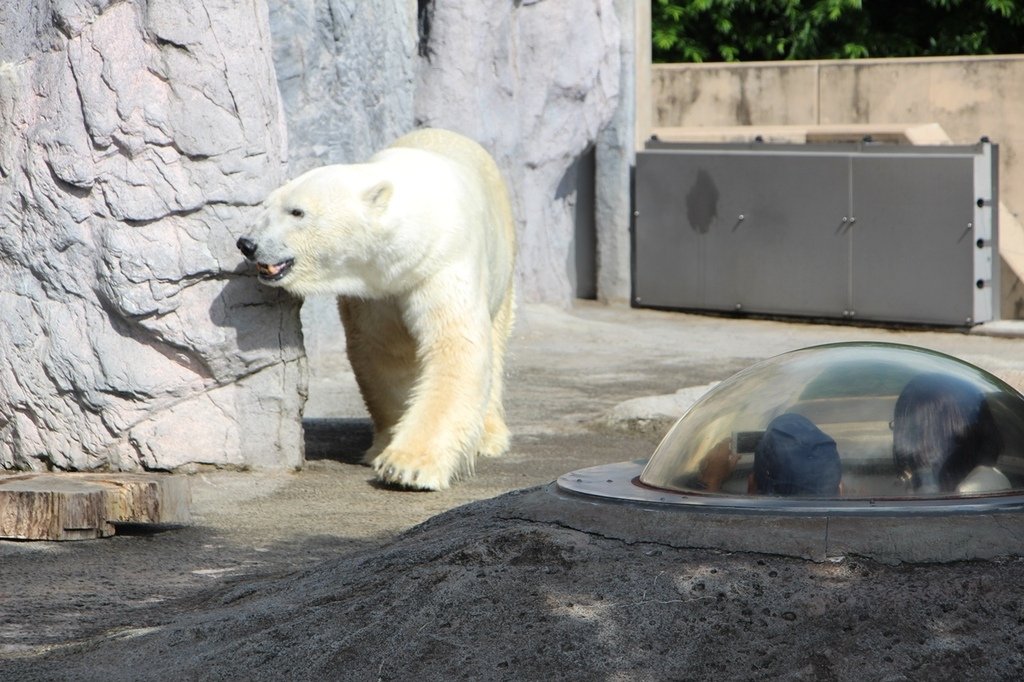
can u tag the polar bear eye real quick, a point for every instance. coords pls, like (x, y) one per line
(297, 212)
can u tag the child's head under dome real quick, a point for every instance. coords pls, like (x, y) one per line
(942, 429)
(795, 457)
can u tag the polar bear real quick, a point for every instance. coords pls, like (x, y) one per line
(418, 243)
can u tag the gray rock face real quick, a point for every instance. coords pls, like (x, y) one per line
(135, 138)
(534, 82)
(345, 69)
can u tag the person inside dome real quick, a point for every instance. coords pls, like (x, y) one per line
(793, 457)
(944, 437)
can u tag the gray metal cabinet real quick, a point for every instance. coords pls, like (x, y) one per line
(846, 231)
(912, 241)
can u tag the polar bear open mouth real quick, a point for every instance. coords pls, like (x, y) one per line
(271, 273)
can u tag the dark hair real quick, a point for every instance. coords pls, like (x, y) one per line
(795, 457)
(942, 429)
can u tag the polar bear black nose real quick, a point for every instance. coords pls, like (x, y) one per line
(247, 247)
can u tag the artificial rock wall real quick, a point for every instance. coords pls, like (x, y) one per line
(135, 140)
(137, 137)
(536, 82)
(345, 69)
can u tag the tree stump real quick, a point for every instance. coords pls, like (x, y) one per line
(74, 506)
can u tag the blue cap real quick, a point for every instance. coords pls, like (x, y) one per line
(795, 457)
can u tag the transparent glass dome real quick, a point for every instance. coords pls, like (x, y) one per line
(852, 421)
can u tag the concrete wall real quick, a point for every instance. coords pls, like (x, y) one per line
(969, 97)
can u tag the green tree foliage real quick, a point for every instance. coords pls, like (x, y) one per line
(753, 30)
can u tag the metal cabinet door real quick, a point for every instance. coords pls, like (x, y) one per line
(912, 241)
(668, 262)
(751, 231)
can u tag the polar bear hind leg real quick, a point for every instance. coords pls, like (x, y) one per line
(496, 438)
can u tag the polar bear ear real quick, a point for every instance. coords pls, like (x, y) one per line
(379, 195)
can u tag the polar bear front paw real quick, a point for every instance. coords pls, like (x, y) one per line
(380, 444)
(409, 469)
(496, 437)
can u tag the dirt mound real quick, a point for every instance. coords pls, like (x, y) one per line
(477, 593)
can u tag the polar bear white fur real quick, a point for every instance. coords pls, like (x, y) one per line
(418, 244)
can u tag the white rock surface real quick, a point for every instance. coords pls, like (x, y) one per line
(535, 82)
(346, 72)
(135, 138)
(656, 412)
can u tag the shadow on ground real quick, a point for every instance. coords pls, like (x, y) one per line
(339, 439)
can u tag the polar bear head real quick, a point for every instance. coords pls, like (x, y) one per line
(321, 233)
